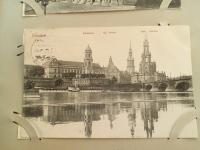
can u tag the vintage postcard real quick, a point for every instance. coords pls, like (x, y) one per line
(107, 82)
(71, 6)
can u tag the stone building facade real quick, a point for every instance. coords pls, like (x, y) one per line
(60, 69)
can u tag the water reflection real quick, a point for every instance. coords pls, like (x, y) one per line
(132, 118)
(109, 107)
(149, 113)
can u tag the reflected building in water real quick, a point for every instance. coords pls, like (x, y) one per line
(87, 113)
(72, 113)
(112, 109)
(132, 118)
(149, 114)
(88, 118)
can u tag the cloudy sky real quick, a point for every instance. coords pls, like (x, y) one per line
(169, 46)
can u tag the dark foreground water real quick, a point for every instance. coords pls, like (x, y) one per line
(106, 114)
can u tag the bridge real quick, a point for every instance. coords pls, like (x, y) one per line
(178, 84)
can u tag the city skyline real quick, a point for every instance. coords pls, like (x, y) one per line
(111, 40)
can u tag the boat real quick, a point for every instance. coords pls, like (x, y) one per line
(73, 89)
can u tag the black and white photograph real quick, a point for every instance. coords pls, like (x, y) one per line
(71, 6)
(107, 82)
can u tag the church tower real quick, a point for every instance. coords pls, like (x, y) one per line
(130, 62)
(146, 54)
(147, 67)
(88, 60)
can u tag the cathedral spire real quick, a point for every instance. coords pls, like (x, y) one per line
(146, 45)
(110, 61)
(130, 50)
(130, 61)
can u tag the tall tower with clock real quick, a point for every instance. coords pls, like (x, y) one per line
(88, 60)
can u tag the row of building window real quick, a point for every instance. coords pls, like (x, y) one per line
(67, 70)
(78, 71)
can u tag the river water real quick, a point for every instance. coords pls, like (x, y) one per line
(107, 114)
